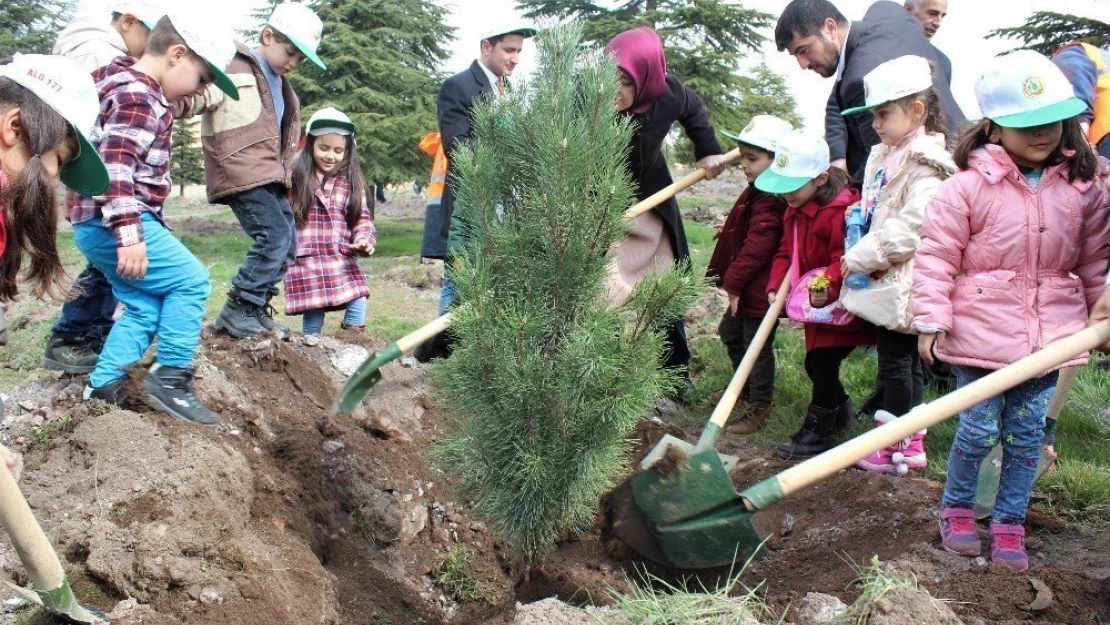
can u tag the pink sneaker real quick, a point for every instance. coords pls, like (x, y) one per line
(900, 457)
(1008, 546)
(958, 533)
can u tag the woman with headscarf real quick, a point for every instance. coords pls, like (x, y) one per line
(655, 100)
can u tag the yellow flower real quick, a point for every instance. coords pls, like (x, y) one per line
(819, 282)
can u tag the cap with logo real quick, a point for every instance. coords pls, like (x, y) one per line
(763, 131)
(524, 30)
(329, 120)
(1024, 89)
(894, 80)
(799, 158)
(148, 11)
(211, 41)
(303, 28)
(69, 90)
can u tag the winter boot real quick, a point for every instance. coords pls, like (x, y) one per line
(754, 416)
(815, 437)
(845, 416)
(239, 318)
(899, 458)
(71, 354)
(1008, 546)
(114, 393)
(265, 315)
(170, 389)
(958, 533)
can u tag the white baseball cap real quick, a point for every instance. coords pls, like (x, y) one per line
(763, 131)
(303, 28)
(1024, 89)
(497, 30)
(330, 120)
(894, 80)
(69, 90)
(211, 41)
(799, 158)
(148, 11)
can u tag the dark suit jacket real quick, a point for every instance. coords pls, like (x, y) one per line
(456, 97)
(886, 32)
(945, 64)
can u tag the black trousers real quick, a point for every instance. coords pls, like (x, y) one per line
(901, 373)
(737, 334)
(823, 369)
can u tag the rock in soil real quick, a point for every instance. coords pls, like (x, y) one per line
(910, 607)
(817, 609)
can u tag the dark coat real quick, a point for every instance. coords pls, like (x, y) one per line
(456, 97)
(886, 32)
(945, 64)
(741, 262)
(821, 240)
(645, 159)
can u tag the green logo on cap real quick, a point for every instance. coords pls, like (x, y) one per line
(1033, 87)
(782, 161)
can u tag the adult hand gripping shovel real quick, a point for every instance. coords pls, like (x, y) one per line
(369, 372)
(697, 525)
(51, 588)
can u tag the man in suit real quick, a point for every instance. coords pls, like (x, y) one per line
(931, 13)
(823, 41)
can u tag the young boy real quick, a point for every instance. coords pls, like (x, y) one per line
(163, 286)
(248, 160)
(741, 264)
(78, 336)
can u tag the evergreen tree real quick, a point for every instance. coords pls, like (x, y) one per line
(187, 166)
(383, 58)
(30, 26)
(546, 382)
(1046, 31)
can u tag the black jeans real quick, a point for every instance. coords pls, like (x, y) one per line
(901, 374)
(678, 351)
(89, 314)
(737, 334)
(823, 369)
(266, 217)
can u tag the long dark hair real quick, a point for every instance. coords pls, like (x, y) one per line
(305, 183)
(934, 118)
(1073, 149)
(838, 179)
(29, 201)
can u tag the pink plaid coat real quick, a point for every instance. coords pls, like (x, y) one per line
(326, 274)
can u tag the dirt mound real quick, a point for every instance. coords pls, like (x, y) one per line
(202, 225)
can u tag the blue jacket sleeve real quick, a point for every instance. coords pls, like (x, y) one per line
(1083, 75)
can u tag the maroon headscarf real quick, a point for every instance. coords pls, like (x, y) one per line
(639, 52)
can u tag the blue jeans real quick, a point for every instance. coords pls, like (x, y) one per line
(447, 295)
(168, 301)
(265, 216)
(354, 315)
(89, 314)
(1017, 419)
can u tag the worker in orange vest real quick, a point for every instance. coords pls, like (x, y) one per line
(433, 146)
(1087, 69)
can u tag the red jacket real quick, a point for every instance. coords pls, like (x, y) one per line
(741, 262)
(821, 240)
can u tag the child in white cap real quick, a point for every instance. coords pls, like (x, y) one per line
(817, 197)
(335, 225)
(1013, 255)
(93, 43)
(902, 174)
(249, 149)
(122, 232)
(741, 264)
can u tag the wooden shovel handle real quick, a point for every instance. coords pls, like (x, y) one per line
(674, 188)
(34, 549)
(411, 341)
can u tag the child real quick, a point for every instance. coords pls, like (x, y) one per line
(78, 336)
(816, 196)
(249, 150)
(334, 224)
(163, 286)
(902, 174)
(1013, 255)
(741, 263)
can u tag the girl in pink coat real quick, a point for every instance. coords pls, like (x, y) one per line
(1013, 255)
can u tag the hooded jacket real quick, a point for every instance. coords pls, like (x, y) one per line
(91, 43)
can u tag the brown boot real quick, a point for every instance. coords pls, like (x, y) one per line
(755, 415)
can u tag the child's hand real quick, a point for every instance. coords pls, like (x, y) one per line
(1101, 312)
(771, 298)
(925, 343)
(818, 299)
(733, 303)
(843, 267)
(132, 261)
(363, 246)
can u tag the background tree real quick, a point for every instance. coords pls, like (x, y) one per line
(31, 26)
(546, 382)
(187, 166)
(1046, 31)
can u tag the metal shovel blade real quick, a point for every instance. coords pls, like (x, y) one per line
(364, 379)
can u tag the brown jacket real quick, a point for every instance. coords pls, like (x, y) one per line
(242, 147)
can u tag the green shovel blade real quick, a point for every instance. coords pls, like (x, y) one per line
(364, 378)
(990, 475)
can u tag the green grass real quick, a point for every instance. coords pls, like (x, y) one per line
(455, 579)
(653, 601)
(874, 581)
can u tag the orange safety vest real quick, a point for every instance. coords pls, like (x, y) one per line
(432, 145)
(1100, 125)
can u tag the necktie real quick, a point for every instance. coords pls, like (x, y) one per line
(500, 84)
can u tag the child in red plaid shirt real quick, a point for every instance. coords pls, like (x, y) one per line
(335, 224)
(122, 232)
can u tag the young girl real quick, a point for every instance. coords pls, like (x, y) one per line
(1013, 255)
(334, 225)
(902, 175)
(817, 197)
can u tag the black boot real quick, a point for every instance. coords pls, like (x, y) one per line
(845, 416)
(71, 354)
(239, 318)
(265, 314)
(170, 389)
(815, 437)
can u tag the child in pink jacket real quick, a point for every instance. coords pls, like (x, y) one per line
(1012, 257)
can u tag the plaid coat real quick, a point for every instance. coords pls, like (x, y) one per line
(326, 274)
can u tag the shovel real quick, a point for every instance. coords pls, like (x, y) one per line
(51, 588)
(694, 518)
(369, 372)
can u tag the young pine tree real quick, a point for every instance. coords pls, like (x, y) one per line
(187, 165)
(546, 382)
